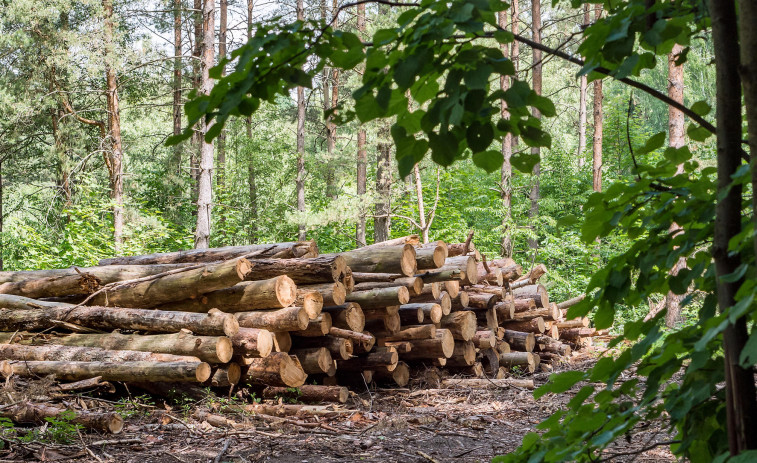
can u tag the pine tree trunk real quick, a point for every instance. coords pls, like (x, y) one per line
(584, 84)
(506, 192)
(251, 178)
(534, 194)
(205, 180)
(362, 153)
(177, 80)
(114, 156)
(222, 29)
(741, 401)
(196, 78)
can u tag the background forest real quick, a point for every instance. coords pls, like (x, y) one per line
(70, 71)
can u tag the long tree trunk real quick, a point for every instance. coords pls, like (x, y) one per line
(421, 208)
(748, 73)
(114, 155)
(205, 181)
(222, 28)
(196, 78)
(533, 212)
(329, 126)
(251, 179)
(584, 84)
(506, 191)
(177, 52)
(741, 402)
(300, 181)
(381, 223)
(362, 154)
(597, 146)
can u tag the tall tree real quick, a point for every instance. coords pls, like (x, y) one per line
(741, 400)
(223, 6)
(583, 86)
(598, 121)
(114, 155)
(205, 180)
(533, 212)
(196, 78)
(177, 71)
(382, 220)
(300, 181)
(251, 180)
(362, 153)
(506, 189)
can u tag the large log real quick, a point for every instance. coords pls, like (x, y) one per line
(331, 293)
(549, 313)
(54, 286)
(314, 360)
(277, 250)
(115, 371)
(318, 327)
(288, 319)
(535, 325)
(536, 292)
(505, 310)
(348, 316)
(308, 393)
(383, 259)
(386, 358)
(484, 339)
(430, 256)
(169, 287)
(282, 341)
(463, 355)
(522, 359)
(52, 352)
(380, 297)
(391, 323)
(109, 318)
(524, 305)
(340, 348)
(224, 375)
(311, 301)
(520, 340)
(535, 273)
(38, 413)
(304, 271)
(442, 345)
(414, 285)
(105, 274)
(252, 342)
(466, 264)
(364, 340)
(411, 314)
(482, 300)
(548, 344)
(408, 333)
(278, 369)
(400, 374)
(211, 349)
(462, 301)
(273, 293)
(461, 324)
(452, 287)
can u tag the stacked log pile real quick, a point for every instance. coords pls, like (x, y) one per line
(273, 316)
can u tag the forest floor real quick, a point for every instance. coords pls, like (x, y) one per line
(418, 424)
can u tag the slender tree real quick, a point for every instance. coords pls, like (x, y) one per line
(300, 181)
(506, 190)
(382, 220)
(205, 180)
(362, 153)
(533, 212)
(177, 77)
(583, 86)
(598, 129)
(223, 6)
(251, 180)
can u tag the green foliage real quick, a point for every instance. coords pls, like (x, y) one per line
(59, 429)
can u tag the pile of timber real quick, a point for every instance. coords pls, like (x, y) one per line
(273, 316)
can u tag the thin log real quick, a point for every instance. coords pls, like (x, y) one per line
(331, 293)
(432, 313)
(413, 240)
(582, 322)
(38, 413)
(366, 340)
(340, 348)
(408, 333)
(520, 340)
(53, 352)
(443, 274)
(486, 383)
(278, 250)
(571, 302)
(308, 393)
(536, 292)
(318, 327)
(414, 285)
(522, 359)
(482, 300)
(115, 371)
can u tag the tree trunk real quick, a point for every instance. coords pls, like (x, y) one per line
(348, 316)
(409, 333)
(115, 371)
(741, 401)
(483, 383)
(251, 178)
(534, 194)
(54, 286)
(300, 181)
(317, 327)
(314, 360)
(598, 129)
(222, 28)
(274, 293)
(506, 192)
(385, 358)
(414, 285)
(421, 207)
(177, 81)
(382, 220)
(278, 251)
(278, 369)
(326, 268)
(33, 413)
(114, 156)
(364, 340)
(50, 352)
(584, 84)
(362, 153)
(287, 319)
(205, 181)
(196, 58)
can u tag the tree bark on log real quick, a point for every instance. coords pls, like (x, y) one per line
(314, 360)
(489, 360)
(105, 274)
(318, 327)
(400, 375)
(519, 340)
(582, 322)
(278, 369)
(535, 325)
(442, 275)
(386, 358)
(326, 268)
(482, 300)
(274, 293)
(54, 286)
(380, 297)
(523, 359)
(570, 302)
(431, 256)
(536, 292)
(35, 413)
(505, 310)
(279, 250)
(414, 285)
(407, 333)
(462, 301)
(463, 355)
(309, 393)
(362, 340)
(109, 318)
(252, 342)
(52, 352)
(466, 264)
(413, 240)
(411, 314)
(288, 319)
(484, 339)
(331, 293)
(432, 313)
(442, 345)
(348, 316)
(224, 375)
(340, 348)
(382, 259)
(391, 323)
(462, 325)
(115, 371)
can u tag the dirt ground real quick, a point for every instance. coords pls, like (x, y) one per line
(386, 425)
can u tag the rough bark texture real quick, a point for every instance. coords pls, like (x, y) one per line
(741, 401)
(34, 413)
(506, 189)
(534, 194)
(322, 269)
(287, 319)
(277, 250)
(252, 342)
(205, 181)
(598, 127)
(222, 29)
(583, 87)
(380, 297)
(52, 352)
(300, 180)
(384, 259)
(309, 393)
(177, 81)
(278, 369)
(115, 371)
(274, 293)
(382, 219)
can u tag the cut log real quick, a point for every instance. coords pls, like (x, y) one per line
(326, 268)
(308, 393)
(535, 273)
(53, 286)
(432, 313)
(524, 305)
(52, 352)
(462, 325)
(460, 249)
(109, 318)
(487, 383)
(551, 330)
(511, 272)
(383, 259)
(408, 333)
(224, 375)
(485, 339)
(442, 345)
(431, 256)
(463, 355)
(349, 281)
(370, 277)
(401, 241)
(282, 341)
(505, 310)
(274, 293)
(547, 344)
(493, 276)
(402, 347)
(252, 342)
(536, 292)
(318, 327)
(526, 360)
(386, 358)
(348, 316)
(442, 275)
(414, 285)
(535, 325)
(380, 313)
(278, 369)
(519, 340)
(476, 370)
(498, 291)
(482, 300)
(400, 374)
(339, 348)
(462, 301)
(288, 319)
(115, 371)
(571, 302)
(364, 340)
(332, 293)
(311, 301)
(314, 360)
(547, 313)
(575, 334)
(170, 287)
(465, 264)
(37, 413)
(411, 314)
(577, 323)
(391, 323)
(278, 250)
(105, 274)
(380, 297)
(452, 287)
(489, 360)
(211, 349)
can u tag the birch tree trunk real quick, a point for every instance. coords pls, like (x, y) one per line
(533, 212)
(205, 181)
(582, 104)
(362, 154)
(506, 192)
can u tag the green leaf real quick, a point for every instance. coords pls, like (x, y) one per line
(479, 136)
(702, 108)
(698, 133)
(524, 162)
(490, 160)
(653, 143)
(443, 148)
(559, 383)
